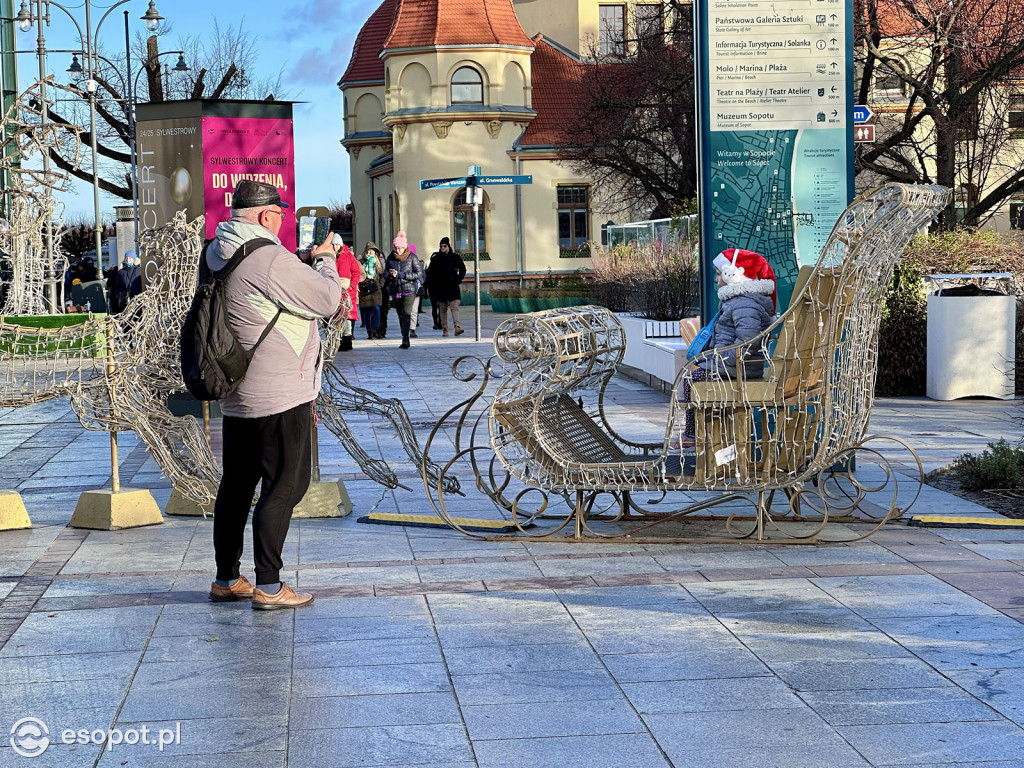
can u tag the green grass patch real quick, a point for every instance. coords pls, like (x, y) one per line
(44, 345)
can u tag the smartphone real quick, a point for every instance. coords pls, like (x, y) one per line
(321, 229)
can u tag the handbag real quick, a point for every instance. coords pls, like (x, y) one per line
(366, 287)
(702, 339)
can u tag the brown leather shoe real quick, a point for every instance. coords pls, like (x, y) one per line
(240, 590)
(459, 331)
(286, 597)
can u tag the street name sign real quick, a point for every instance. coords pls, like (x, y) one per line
(479, 181)
(442, 183)
(489, 181)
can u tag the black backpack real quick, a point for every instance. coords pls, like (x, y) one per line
(213, 362)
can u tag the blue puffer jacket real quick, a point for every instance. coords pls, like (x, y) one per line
(746, 310)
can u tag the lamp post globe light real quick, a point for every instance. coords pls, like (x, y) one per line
(40, 16)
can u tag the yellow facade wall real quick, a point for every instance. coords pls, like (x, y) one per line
(572, 23)
(431, 138)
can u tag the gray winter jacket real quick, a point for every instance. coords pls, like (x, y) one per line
(285, 371)
(746, 310)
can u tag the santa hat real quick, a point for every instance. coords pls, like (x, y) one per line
(401, 242)
(737, 265)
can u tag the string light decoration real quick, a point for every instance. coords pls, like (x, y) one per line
(29, 269)
(785, 456)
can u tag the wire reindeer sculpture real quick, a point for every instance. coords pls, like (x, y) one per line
(118, 370)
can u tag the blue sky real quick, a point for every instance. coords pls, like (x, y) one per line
(308, 41)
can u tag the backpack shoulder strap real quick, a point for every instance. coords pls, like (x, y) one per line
(247, 248)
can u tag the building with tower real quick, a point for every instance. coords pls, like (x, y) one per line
(434, 86)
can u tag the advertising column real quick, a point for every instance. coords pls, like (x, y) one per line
(170, 153)
(775, 85)
(259, 149)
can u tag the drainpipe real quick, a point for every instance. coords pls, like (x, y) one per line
(519, 221)
(373, 213)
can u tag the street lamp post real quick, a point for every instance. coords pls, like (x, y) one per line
(25, 19)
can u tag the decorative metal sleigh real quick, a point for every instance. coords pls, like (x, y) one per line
(786, 457)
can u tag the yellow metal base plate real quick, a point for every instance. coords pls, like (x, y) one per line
(952, 521)
(433, 521)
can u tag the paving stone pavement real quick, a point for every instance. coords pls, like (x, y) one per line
(425, 648)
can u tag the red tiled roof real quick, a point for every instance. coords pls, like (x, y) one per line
(984, 30)
(424, 23)
(366, 66)
(557, 84)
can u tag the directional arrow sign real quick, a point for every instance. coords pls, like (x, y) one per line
(442, 183)
(861, 114)
(484, 181)
(863, 134)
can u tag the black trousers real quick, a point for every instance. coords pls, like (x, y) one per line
(385, 307)
(274, 450)
(435, 311)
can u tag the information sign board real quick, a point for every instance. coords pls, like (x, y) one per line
(775, 82)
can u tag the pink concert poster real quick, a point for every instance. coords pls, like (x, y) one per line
(236, 148)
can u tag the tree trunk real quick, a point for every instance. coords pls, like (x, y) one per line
(945, 169)
(156, 84)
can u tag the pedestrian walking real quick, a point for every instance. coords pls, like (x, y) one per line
(267, 422)
(420, 292)
(404, 278)
(349, 271)
(444, 276)
(370, 288)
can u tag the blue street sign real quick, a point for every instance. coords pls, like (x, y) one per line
(861, 113)
(481, 181)
(484, 181)
(442, 183)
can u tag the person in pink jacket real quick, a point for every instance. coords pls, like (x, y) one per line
(349, 271)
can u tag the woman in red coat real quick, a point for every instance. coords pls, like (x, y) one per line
(349, 272)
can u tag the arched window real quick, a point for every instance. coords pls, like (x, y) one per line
(467, 86)
(462, 224)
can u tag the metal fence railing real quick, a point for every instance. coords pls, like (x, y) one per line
(662, 231)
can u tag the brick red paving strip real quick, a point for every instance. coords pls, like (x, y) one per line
(994, 582)
(15, 608)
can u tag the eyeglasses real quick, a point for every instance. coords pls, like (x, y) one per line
(282, 214)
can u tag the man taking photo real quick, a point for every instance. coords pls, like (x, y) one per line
(268, 419)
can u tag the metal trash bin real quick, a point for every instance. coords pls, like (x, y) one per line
(971, 329)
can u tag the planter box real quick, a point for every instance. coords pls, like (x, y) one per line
(653, 347)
